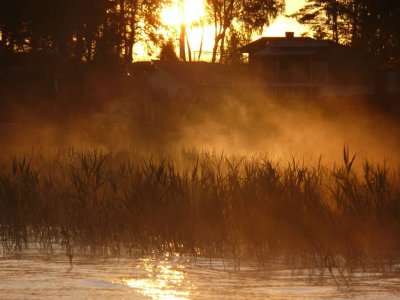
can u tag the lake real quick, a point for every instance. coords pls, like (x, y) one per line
(38, 275)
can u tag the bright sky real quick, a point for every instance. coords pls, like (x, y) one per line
(192, 12)
(283, 24)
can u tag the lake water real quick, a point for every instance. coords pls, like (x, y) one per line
(36, 275)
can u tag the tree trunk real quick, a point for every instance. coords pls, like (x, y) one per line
(182, 46)
(216, 46)
(335, 32)
(201, 43)
(222, 48)
(214, 53)
(188, 47)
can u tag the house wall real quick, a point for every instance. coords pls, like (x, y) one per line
(290, 69)
(290, 76)
(336, 70)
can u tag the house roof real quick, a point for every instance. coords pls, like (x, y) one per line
(264, 42)
(141, 67)
(198, 73)
(296, 47)
(293, 46)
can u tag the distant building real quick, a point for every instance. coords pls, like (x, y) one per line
(194, 80)
(304, 66)
(177, 87)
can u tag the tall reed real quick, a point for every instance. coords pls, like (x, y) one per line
(203, 203)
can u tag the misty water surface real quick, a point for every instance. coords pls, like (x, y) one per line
(37, 275)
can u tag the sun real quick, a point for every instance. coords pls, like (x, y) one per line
(186, 12)
(199, 35)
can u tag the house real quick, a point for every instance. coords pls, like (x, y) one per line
(304, 66)
(175, 87)
(180, 88)
(191, 80)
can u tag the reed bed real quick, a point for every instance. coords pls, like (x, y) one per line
(203, 203)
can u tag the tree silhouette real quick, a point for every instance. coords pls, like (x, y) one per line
(168, 51)
(327, 19)
(251, 14)
(368, 25)
(89, 30)
(84, 29)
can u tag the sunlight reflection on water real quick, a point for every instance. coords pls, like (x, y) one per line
(47, 276)
(164, 281)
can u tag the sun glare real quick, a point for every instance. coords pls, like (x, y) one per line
(190, 13)
(186, 12)
(283, 24)
(163, 282)
(200, 34)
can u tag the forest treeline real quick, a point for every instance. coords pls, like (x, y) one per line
(83, 29)
(368, 25)
(91, 30)
(99, 30)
